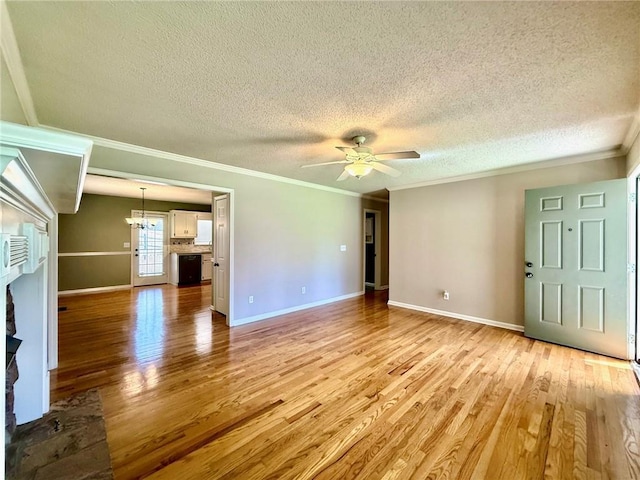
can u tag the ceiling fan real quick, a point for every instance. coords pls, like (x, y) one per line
(361, 161)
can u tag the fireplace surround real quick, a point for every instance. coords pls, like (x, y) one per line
(42, 174)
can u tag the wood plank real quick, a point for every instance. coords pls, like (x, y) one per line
(354, 389)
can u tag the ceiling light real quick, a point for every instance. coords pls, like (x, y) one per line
(140, 222)
(358, 169)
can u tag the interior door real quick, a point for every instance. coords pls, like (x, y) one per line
(576, 266)
(221, 254)
(150, 251)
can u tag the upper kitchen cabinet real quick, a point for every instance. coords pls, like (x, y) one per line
(184, 224)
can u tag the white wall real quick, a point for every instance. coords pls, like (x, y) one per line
(468, 238)
(286, 236)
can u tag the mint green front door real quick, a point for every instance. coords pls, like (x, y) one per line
(576, 266)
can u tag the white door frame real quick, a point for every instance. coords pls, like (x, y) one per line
(634, 292)
(377, 237)
(199, 186)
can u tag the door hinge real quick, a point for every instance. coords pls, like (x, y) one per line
(632, 197)
(632, 338)
(631, 268)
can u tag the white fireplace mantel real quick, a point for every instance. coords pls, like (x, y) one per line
(42, 174)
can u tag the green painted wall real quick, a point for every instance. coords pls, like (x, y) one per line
(99, 226)
(88, 272)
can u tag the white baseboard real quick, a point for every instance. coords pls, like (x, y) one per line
(369, 284)
(264, 316)
(459, 316)
(81, 291)
(383, 287)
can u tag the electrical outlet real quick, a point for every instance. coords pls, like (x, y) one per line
(445, 295)
(126, 245)
(250, 298)
(303, 290)
(343, 248)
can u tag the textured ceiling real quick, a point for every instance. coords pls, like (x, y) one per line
(273, 86)
(121, 187)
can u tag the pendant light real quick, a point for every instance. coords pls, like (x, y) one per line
(140, 222)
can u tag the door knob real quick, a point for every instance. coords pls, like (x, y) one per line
(216, 264)
(528, 275)
(529, 264)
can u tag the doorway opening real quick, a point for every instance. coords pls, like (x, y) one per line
(372, 258)
(224, 278)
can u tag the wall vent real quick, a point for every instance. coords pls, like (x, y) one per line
(23, 253)
(19, 250)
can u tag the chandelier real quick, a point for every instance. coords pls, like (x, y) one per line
(140, 222)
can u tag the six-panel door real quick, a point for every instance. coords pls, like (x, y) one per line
(576, 284)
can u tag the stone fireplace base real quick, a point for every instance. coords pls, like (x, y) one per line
(12, 374)
(69, 442)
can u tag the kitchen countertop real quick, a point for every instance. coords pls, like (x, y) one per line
(193, 253)
(190, 251)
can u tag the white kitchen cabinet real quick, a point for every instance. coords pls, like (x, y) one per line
(206, 266)
(184, 224)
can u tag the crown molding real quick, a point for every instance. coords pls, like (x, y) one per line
(65, 143)
(136, 149)
(11, 54)
(632, 134)
(556, 162)
(21, 136)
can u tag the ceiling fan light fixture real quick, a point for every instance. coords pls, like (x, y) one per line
(360, 161)
(358, 169)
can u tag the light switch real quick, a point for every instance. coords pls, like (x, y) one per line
(343, 248)
(126, 245)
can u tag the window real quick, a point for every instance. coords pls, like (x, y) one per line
(204, 233)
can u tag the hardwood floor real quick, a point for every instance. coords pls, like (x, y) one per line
(354, 389)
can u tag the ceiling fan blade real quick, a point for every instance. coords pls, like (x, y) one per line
(343, 176)
(397, 155)
(324, 163)
(348, 150)
(385, 169)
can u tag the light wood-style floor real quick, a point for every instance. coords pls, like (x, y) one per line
(354, 389)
